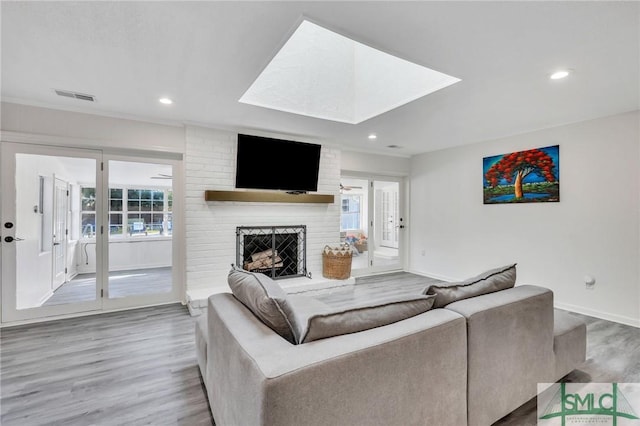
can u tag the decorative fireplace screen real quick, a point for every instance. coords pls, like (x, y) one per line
(277, 251)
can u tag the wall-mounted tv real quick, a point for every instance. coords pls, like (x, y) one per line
(268, 163)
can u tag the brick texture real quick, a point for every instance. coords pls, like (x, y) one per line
(210, 226)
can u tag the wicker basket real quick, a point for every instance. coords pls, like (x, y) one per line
(336, 262)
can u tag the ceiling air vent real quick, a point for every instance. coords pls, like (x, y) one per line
(81, 96)
(394, 146)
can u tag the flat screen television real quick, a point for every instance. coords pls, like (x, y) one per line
(268, 163)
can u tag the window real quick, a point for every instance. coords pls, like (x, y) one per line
(88, 214)
(141, 205)
(115, 211)
(133, 212)
(350, 217)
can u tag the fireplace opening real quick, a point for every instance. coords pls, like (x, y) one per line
(277, 251)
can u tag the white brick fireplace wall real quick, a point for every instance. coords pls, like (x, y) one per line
(210, 226)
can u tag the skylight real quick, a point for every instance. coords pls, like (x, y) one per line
(322, 74)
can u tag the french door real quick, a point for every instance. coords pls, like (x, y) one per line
(84, 231)
(372, 222)
(60, 235)
(35, 233)
(142, 251)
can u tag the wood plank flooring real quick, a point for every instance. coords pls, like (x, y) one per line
(134, 367)
(138, 367)
(82, 288)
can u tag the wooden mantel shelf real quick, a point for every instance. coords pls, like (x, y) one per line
(266, 197)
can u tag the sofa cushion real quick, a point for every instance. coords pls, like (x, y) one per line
(202, 342)
(264, 297)
(313, 320)
(488, 282)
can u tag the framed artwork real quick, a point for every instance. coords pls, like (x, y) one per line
(531, 176)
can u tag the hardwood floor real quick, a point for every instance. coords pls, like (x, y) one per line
(125, 368)
(138, 367)
(121, 284)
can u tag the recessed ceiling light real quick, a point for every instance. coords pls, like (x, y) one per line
(559, 74)
(165, 101)
(372, 136)
(319, 73)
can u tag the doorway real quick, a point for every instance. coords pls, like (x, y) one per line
(84, 231)
(371, 222)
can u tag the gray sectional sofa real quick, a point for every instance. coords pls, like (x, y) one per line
(469, 363)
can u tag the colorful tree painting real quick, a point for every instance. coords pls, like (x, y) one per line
(524, 176)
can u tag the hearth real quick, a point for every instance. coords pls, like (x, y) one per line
(277, 251)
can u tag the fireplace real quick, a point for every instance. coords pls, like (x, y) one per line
(277, 251)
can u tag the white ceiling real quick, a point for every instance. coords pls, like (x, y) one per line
(205, 55)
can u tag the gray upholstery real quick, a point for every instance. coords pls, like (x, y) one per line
(510, 349)
(313, 320)
(202, 337)
(569, 343)
(471, 363)
(412, 372)
(264, 297)
(487, 282)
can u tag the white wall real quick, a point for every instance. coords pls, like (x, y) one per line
(211, 226)
(362, 162)
(88, 130)
(594, 229)
(126, 255)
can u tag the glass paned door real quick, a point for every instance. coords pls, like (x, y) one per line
(371, 222)
(140, 240)
(386, 224)
(354, 219)
(46, 259)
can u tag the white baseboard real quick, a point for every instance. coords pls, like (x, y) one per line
(45, 297)
(634, 322)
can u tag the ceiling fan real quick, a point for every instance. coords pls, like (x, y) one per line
(162, 176)
(348, 187)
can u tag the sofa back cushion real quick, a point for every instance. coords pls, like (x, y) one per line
(488, 282)
(264, 297)
(313, 320)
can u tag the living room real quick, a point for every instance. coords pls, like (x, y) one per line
(154, 98)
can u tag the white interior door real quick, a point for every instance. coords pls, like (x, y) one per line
(34, 216)
(60, 232)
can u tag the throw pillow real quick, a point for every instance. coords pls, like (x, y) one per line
(313, 321)
(264, 297)
(488, 282)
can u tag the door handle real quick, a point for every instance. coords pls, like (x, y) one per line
(56, 244)
(11, 239)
